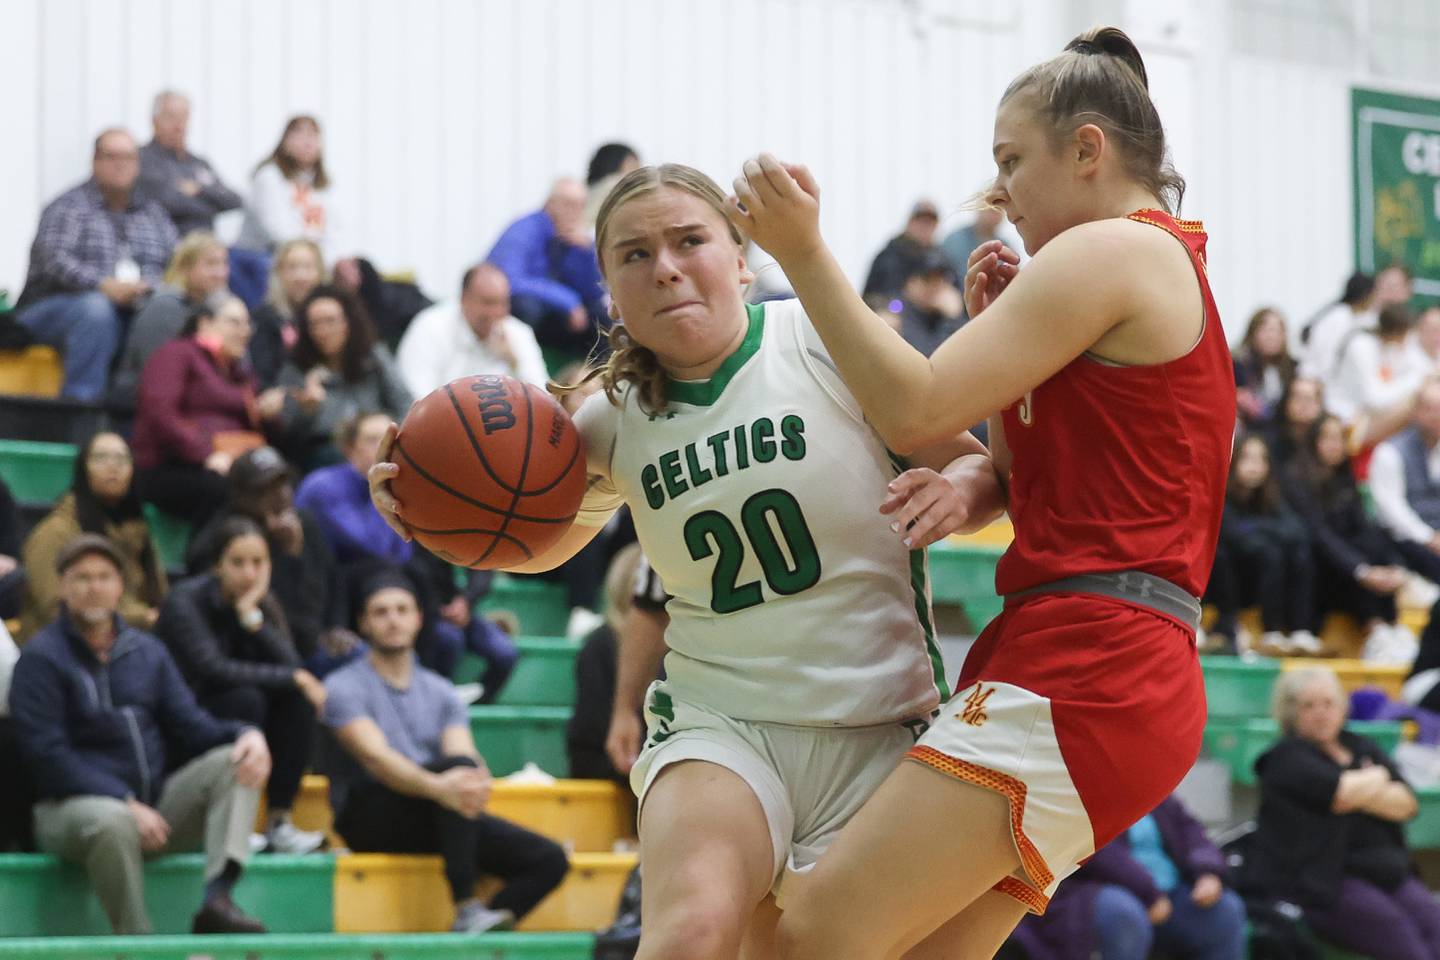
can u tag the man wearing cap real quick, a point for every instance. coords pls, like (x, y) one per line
(899, 257)
(303, 573)
(410, 779)
(100, 711)
(931, 308)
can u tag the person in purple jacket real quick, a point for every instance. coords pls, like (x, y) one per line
(1160, 884)
(549, 258)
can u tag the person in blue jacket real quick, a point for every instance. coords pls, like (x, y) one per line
(125, 763)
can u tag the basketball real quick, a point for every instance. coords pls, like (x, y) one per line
(491, 471)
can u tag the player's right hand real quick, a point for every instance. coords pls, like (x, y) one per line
(926, 507)
(379, 478)
(622, 744)
(991, 267)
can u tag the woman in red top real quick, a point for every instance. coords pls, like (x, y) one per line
(1105, 375)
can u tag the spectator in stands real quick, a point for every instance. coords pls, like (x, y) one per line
(290, 194)
(1405, 484)
(900, 257)
(17, 793)
(1264, 554)
(197, 276)
(1427, 334)
(102, 500)
(410, 779)
(961, 242)
(12, 573)
(608, 164)
(184, 184)
(229, 637)
(931, 308)
(197, 411)
(1358, 568)
(304, 576)
(100, 248)
(336, 370)
(1359, 309)
(1329, 835)
(338, 497)
(635, 602)
(126, 764)
(1263, 369)
(1378, 373)
(640, 658)
(298, 268)
(549, 257)
(1300, 406)
(1160, 884)
(473, 335)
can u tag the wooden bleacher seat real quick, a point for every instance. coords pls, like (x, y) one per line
(35, 371)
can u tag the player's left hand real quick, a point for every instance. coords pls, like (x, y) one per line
(778, 206)
(926, 506)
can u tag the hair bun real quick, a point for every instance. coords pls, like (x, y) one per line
(1114, 42)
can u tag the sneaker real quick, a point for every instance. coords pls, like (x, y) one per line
(1306, 643)
(1273, 641)
(285, 837)
(469, 692)
(472, 916)
(1384, 647)
(1417, 593)
(1404, 645)
(221, 915)
(532, 774)
(582, 621)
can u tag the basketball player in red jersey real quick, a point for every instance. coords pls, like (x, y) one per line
(1104, 371)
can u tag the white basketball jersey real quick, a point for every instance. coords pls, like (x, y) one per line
(755, 496)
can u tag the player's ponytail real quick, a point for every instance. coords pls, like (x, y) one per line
(629, 362)
(1101, 79)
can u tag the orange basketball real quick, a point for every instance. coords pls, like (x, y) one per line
(491, 471)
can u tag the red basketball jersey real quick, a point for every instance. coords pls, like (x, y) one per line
(1124, 467)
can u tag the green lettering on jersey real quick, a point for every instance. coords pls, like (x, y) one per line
(717, 446)
(650, 482)
(699, 476)
(792, 428)
(762, 440)
(742, 455)
(670, 471)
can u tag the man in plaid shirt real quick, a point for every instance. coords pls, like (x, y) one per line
(99, 250)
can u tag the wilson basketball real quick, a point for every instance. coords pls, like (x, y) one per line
(491, 471)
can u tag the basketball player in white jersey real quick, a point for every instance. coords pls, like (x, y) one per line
(802, 663)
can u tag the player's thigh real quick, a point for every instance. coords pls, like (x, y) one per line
(704, 840)
(924, 847)
(759, 941)
(975, 933)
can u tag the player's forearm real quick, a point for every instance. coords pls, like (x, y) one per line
(640, 649)
(1392, 802)
(974, 475)
(890, 378)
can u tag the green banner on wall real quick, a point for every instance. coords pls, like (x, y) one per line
(1397, 184)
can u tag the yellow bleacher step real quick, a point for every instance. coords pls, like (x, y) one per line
(998, 534)
(587, 816)
(387, 893)
(34, 371)
(1355, 674)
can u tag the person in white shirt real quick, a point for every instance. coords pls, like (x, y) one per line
(473, 335)
(1405, 483)
(1377, 376)
(1357, 311)
(1427, 333)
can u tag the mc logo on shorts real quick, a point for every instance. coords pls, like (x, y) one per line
(974, 712)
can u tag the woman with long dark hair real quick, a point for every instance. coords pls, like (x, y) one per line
(102, 499)
(337, 369)
(289, 193)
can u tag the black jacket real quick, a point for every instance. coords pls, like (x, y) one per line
(213, 650)
(1302, 849)
(110, 729)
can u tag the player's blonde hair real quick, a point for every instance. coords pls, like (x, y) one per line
(629, 362)
(1101, 79)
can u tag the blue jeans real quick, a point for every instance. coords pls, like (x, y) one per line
(482, 638)
(85, 327)
(1124, 932)
(249, 275)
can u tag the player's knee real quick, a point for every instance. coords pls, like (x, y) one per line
(698, 929)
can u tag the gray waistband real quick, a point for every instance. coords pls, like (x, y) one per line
(1132, 586)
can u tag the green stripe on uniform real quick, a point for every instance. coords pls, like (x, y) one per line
(920, 585)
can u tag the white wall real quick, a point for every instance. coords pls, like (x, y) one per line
(444, 119)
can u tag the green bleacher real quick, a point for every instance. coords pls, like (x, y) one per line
(509, 737)
(36, 472)
(543, 677)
